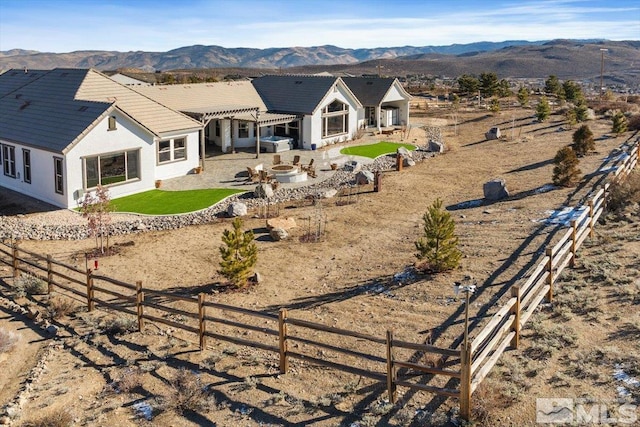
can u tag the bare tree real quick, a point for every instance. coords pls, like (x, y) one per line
(97, 209)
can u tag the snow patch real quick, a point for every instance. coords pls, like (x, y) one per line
(562, 216)
(144, 410)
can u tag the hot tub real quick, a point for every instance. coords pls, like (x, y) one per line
(288, 173)
(276, 144)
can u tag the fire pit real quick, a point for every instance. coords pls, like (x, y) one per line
(288, 173)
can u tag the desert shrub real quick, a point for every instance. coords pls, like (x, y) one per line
(186, 393)
(633, 123)
(486, 399)
(565, 171)
(130, 380)
(624, 192)
(28, 284)
(119, 325)
(239, 254)
(583, 141)
(60, 307)
(438, 246)
(8, 341)
(56, 418)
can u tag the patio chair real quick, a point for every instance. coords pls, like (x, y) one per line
(296, 160)
(265, 177)
(309, 166)
(254, 175)
(277, 160)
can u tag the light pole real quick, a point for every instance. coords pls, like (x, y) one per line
(468, 290)
(602, 51)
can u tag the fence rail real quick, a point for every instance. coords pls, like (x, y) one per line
(475, 358)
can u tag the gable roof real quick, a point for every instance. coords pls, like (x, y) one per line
(371, 90)
(293, 94)
(54, 109)
(13, 79)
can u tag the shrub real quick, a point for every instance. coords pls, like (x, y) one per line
(566, 172)
(60, 307)
(543, 110)
(619, 123)
(634, 122)
(8, 341)
(186, 393)
(56, 418)
(583, 141)
(130, 380)
(28, 284)
(439, 244)
(239, 254)
(120, 325)
(624, 192)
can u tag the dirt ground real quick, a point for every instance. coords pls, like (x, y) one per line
(359, 276)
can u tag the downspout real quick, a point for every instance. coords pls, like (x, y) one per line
(233, 142)
(257, 133)
(378, 117)
(202, 145)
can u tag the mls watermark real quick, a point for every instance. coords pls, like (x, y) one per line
(585, 411)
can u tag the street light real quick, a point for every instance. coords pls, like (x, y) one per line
(602, 51)
(468, 290)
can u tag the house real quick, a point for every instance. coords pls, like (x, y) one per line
(65, 131)
(385, 101)
(128, 80)
(327, 108)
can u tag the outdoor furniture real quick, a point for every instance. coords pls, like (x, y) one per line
(276, 159)
(309, 166)
(309, 169)
(265, 176)
(296, 160)
(254, 175)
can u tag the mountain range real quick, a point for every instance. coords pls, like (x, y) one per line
(577, 59)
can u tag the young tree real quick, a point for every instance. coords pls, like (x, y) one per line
(543, 110)
(97, 209)
(552, 85)
(495, 105)
(570, 117)
(523, 96)
(239, 254)
(573, 92)
(582, 112)
(504, 89)
(468, 84)
(565, 171)
(439, 244)
(583, 141)
(620, 124)
(489, 84)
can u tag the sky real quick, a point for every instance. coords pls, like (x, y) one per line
(162, 25)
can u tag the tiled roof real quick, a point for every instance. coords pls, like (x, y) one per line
(293, 94)
(370, 91)
(54, 108)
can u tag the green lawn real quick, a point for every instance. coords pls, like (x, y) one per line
(375, 150)
(159, 202)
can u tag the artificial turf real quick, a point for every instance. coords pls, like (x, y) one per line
(160, 202)
(375, 150)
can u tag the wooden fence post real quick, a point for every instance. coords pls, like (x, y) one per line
(89, 291)
(549, 253)
(139, 301)
(399, 162)
(282, 335)
(605, 197)
(15, 259)
(574, 243)
(391, 374)
(515, 292)
(465, 382)
(201, 325)
(591, 219)
(377, 182)
(49, 275)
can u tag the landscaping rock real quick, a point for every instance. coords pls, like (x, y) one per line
(352, 166)
(284, 223)
(496, 189)
(407, 162)
(364, 177)
(493, 133)
(263, 191)
(52, 329)
(404, 153)
(237, 209)
(436, 147)
(328, 194)
(278, 234)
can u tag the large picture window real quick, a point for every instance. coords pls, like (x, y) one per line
(26, 166)
(335, 119)
(9, 160)
(112, 168)
(243, 130)
(170, 150)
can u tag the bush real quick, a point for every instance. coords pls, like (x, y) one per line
(439, 244)
(624, 192)
(566, 172)
(187, 393)
(60, 307)
(28, 284)
(583, 141)
(619, 124)
(634, 122)
(56, 418)
(120, 325)
(8, 341)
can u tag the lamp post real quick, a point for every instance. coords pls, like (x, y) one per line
(468, 290)
(602, 51)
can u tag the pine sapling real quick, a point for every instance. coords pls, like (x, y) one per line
(239, 254)
(438, 247)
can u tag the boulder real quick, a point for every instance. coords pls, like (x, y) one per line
(352, 166)
(496, 189)
(257, 277)
(284, 223)
(52, 329)
(407, 161)
(364, 177)
(237, 209)
(263, 191)
(329, 193)
(436, 147)
(278, 234)
(493, 133)
(404, 153)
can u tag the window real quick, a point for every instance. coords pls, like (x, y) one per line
(59, 177)
(9, 160)
(112, 168)
(217, 128)
(335, 119)
(26, 165)
(243, 130)
(170, 150)
(112, 122)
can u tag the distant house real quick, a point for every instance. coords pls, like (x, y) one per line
(65, 131)
(127, 80)
(385, 101)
